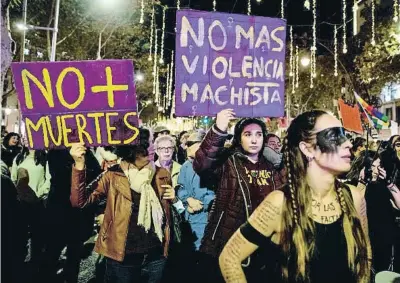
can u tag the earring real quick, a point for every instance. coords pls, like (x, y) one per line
(310, 158)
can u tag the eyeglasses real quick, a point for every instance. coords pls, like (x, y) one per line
(190, 143)
(170, 148)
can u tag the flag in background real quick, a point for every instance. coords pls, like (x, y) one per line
(379, 120)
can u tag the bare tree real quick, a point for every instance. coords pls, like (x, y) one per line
(7, 44)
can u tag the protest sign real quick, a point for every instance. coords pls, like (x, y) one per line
(229, 61)
(93, 102)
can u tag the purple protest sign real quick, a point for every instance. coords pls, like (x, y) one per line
(93, 102)
(229, 61)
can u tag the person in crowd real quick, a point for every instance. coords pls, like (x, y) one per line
(359, 145)
(10, 148)
(165, 146)
(3, 132)
(241, 178)
(12, 236)
(161, 131)
(272, 151)
(197, 201)
(67, 226)
(381, 199)
(317, 225)
(135, 234)
(274, 142)
(181, 153)
(31, 175)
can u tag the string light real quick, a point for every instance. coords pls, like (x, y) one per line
(142, 12)
(373, 22)
(336, 51)
(313, 65)
(282, 9)
(344, 27)
(297, 66)
(291, 65)
(168, 86)
(248, 7)
(396, 11)
(163, 36)
(171, 80)
(215, 5)
(155, 86)
(151, 33)
(155, 60)
(178, 4)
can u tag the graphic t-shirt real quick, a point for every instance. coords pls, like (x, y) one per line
(259, 178)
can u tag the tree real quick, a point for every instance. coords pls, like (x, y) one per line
(379, 64)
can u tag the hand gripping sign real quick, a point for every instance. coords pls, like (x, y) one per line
(229, 61)
(93, 102)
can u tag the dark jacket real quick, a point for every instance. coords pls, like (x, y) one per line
(232, 205)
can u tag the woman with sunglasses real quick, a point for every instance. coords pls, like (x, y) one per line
(241, 177)
(317, 225)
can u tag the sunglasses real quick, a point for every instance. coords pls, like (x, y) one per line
(190, 143)
(329, 139)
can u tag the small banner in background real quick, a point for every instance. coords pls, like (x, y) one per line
(350, 117)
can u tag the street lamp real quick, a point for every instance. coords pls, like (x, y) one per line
(305, 61)
(139, 77)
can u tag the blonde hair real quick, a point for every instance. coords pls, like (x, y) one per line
(298, 228)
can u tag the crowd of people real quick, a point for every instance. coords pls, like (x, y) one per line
(314, 205)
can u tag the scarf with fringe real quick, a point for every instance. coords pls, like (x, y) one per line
(150, 209)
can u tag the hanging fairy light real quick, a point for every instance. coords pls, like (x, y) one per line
(396, 11)
(297, 66)
(163, 36)
(314, 45)
(155, 60)
(291, 52)
(171, 79)
(373, 22)
(178, 4)
(336, 51)
(215, 5)
(344, 27)
(248, 7)
(155, 86)
(151, 33)
(282, 9)
(167, 86)
(142, 12)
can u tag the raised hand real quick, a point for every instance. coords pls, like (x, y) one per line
(169, 193)
(77, 152)
(223, 119)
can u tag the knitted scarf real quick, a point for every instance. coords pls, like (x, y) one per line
(150, 208)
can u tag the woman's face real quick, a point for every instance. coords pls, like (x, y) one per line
(165, 150)
(332, 152)
(396, 145)
(252, 139)
(14, 140)
(375, 169)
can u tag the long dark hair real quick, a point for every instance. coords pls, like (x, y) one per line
(237, 137)
(7, 138)
(298, 228)
(359, 163)
(40, 157)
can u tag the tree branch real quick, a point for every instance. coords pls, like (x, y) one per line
(73, 31)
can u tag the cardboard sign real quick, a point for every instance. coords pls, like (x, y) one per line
(350, 117)
(93, 102)
(229, 61)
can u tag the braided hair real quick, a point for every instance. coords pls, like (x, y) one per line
(298, 236)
